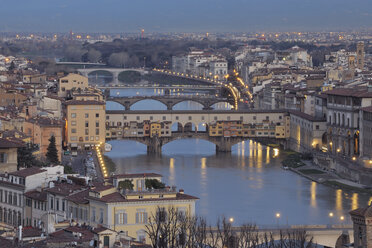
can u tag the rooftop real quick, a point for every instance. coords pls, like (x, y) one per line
(4, 143)
(353, 92)
(88, 102)
(27, 172)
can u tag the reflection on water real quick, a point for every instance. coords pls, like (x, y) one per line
(248, 184)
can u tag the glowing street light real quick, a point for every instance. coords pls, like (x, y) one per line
(331, 214)
(231, 219)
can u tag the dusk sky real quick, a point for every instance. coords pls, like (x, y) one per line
(183, 15)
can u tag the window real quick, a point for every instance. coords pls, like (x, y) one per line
(63, 205)
(177, 118)
(73, 130)
(94, 215)
(164, 118)
(86, 138)
(3, 157)
(151, 118)
(97, 131)
(86, 124)
(10, 198)
(15, 199)
(137, 118)
(101, 215)
(57, 204)
(51, 203)
(73, 115)
(97, 123)
(141, 217)
(190, 118)
(86, 131)
(215, 118)
(73, 123)
(317, 127)
(254, 117)
(86, 115)
(122, 218)
(73, 138)
(97, 115)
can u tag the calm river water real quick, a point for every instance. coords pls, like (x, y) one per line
(248, 184)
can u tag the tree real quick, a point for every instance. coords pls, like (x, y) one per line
(68, 170)
(52, 152)
(154, 184)
(118, 59)
(93, 56)
(126, 184)
(25, 158)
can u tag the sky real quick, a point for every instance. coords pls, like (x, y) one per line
(184, 15)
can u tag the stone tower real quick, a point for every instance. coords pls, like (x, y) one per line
(360, 55)
(351, 60)
(362, 225)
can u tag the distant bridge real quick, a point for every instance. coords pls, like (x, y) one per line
(170, 101)
(114, 71)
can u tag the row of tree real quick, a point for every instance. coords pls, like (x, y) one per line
(171, 228)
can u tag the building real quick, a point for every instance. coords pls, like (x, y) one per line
(362, 225)
(85, 123)
(307, 132)
(41, 129)
(343, 120)
(366, 131)
(8, 155)
(15, 184)
(72, 83)
(51, 106)
(129, 211)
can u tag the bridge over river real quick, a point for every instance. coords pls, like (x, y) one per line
(222, 128)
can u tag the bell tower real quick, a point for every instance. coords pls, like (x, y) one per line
(360, 55)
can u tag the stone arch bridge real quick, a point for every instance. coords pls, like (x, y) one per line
(223, 144)
(170, 101)
(114, 71)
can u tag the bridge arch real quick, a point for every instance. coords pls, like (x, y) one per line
(221, 105)
(94, 76)
(200, 105)
(177, 127)
(190, 127)
(154, 103)
(202, 127)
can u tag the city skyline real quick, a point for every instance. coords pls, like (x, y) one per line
(182, 16)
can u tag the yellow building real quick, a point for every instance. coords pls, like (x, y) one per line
(85, 124)
(129, 211)
(70, 83)
(155, 129)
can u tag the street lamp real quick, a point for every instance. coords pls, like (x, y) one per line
(277, 216)
(231, 219)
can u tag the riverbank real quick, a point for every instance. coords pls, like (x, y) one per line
(303, 165)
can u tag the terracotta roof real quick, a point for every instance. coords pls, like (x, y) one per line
(306, 116)
(27, 172)
(354, 92)
(100, 188)
(36, 195)
(4, 143)
(88, 102)
(367, 109)
(364, 212)
(117, 197)
(46, 122)
(28, 232)
(137, 175)
(65, 189)
(79, 197)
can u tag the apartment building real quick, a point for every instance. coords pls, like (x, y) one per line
(71, 83)
(85, 123)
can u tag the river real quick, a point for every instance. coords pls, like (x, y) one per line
(249, 184)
